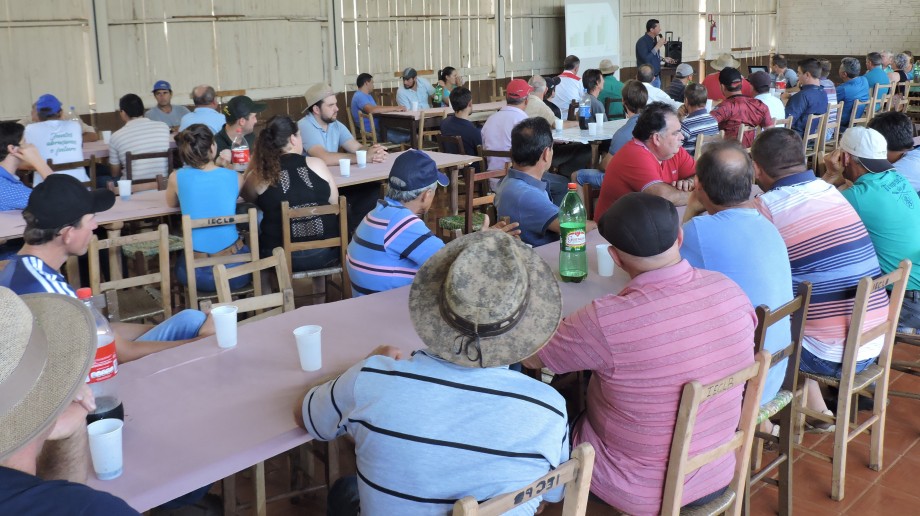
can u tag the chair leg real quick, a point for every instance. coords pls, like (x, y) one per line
(877, 431)
(786, 446)
(228, 486)
(258, 487)
(841, 442)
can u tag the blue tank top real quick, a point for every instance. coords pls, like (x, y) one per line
(204, 194)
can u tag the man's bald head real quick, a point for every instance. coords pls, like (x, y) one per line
(725, 172)
(203, 95)
(538, 83)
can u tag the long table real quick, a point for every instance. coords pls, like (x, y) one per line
(197, 413)
(576, 135)
(408, 120)
(380, 171)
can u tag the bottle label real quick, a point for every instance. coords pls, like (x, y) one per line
(574, 240)
(584, 111)
(105, 365)
(239, 155)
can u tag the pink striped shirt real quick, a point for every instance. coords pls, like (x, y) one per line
(665, 328)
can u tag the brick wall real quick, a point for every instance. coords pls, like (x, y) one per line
(847, 27)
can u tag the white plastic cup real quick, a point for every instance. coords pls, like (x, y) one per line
(106, 136)
(592, 128)
(225, 325)
(124, 189)
(309, 347)
(605, 263)
(708, 105)
(105, 448)
(414, 105)
(559, 125)
(599, 118)
(362, 158)
(345, 167)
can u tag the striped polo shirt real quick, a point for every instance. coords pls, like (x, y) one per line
(829, 246)
(428, 432)
(388, 247)
(665, 328)
(140, 135)
(697, 123)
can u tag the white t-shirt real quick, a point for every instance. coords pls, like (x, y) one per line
(140, 135)
(61, 141)
(569, 89)
(777, 109)
(659, 95)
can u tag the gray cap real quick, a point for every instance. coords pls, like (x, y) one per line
(683, 70)
(409, 73)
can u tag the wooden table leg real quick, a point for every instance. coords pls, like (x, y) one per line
(258, 487)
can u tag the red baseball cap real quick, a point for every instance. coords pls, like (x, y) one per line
(518, 89)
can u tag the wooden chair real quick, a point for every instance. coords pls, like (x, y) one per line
(134, 298)
(783, 122)
(609, 101)
(574, 474)
(131, 158)
(497, 97)
(877, 98)
(814, 132)
(485, 154)
(746, 129)
(872, 382)
(590, 195)
(784, 403)
(702, 140)
(264, 305)
(911, 367)
(158, 183)
(858, 105)
(288, 214)
(450, 144)
(222, 94)
(826, 145)
(370, 138)
(192, 262)
(473, 220)
(888, 97)
(573, 111)
(87, 163)
(429, 134)
(680, 464)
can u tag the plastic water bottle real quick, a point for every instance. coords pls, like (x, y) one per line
(584, 111)
(239, 152)
(573, 258)
(72, 115)
(103, 379)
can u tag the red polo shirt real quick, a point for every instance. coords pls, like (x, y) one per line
(634, 168)
(714, 92)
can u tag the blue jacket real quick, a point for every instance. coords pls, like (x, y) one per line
(855, 89)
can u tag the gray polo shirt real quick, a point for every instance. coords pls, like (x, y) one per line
(330, 138)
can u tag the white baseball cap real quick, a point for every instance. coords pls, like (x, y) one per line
(869, 146)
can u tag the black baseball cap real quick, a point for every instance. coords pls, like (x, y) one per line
(62, 200)
(414, 169)
(640, 224)
(729, 76)
(241, 107)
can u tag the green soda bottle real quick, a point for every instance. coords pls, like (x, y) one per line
(438, 95)
(573, 259)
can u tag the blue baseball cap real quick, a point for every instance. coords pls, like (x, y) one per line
(48, 103)
(161, 85)
(414, 169)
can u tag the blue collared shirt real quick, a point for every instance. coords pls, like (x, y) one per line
(810, 100)
(330, 138)
(525, 200)
(204, 115)
(646, 53)
(855, 89)
(13, 194)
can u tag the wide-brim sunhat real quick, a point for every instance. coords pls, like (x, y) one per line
(485, 300)
(47, 346)
(725, 61)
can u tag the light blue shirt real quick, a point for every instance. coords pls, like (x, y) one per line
(429, 432)
(331, 138)
(421, 94)
(204, 115)
(909, 167)
(172, 119)
(13, 194)
(742, 244)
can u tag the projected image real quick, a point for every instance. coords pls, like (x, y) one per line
(592, 28)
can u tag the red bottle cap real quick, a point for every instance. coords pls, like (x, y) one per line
(573, 186)
(84, 293)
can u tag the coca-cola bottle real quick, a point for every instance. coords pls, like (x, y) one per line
(103, 375)
(239, 152)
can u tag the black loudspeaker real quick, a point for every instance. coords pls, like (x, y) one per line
(674, 50)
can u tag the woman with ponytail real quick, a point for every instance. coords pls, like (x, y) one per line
(203, 190)
(280, 172)
(448, 79)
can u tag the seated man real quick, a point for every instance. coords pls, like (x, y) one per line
(652, 162)
(570, 86)
(737, 109)
(854, 87)
(139, 135)
(363, 101)
(496, 132)
(698, 121)
(635, 97)
(640, 368)
(511, 429)
(809, 100)
(594, 83)
(898, 130)
(44, 457)
(887, 205)
(683, 74)
(461, 100)
(831, 90)
(711, 81)
(164, 111)
(415, 89)
(15, 152)
(241, 115)
(613, 89)
(645, 75)
(59, 140)
(535, 105)
(323, 135)
(60, 220)
(762, 84)
(731, 237)
(833, 254)
(89, 132)
(522, 195)
(205, 99)
(780, 71)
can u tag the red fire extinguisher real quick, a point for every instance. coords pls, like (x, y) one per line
(713, 29)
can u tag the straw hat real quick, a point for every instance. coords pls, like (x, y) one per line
(485, 300)
(607, 67)
(725, 61)
(47, 345)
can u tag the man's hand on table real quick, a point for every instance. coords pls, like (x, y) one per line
(684, 185)
(377, 154)
(508, 227)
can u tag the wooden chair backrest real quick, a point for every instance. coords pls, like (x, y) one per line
(702, 140)
(680, 464)
(825, 143)
(434, 119)
(574, 474)
(364, 119)
(351, 119)
(797, 311)
(87, 163)
(866, 113)
(450, 144)
(783, 122)
(340, 210)
(131, 157)
(573, 110)
(591, 195)
(191, 263)
(266, 304)
(485, 153)
(471, 177)
(746, 129)
(877, 98)
(814, 132)
(109, 288)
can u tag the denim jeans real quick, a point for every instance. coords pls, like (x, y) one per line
(182, 326)
(311, 259)
(815, 365)
(204, 276)
(589, 176)
(396, 135)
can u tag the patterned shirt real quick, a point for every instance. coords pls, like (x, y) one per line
(697, 123)
(829, 246)
(13, 194)
(665, 328)
(737, 110)
(26, 274)
(140, 135)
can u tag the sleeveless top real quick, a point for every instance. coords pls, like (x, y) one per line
(300, 187)
(205, 194)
